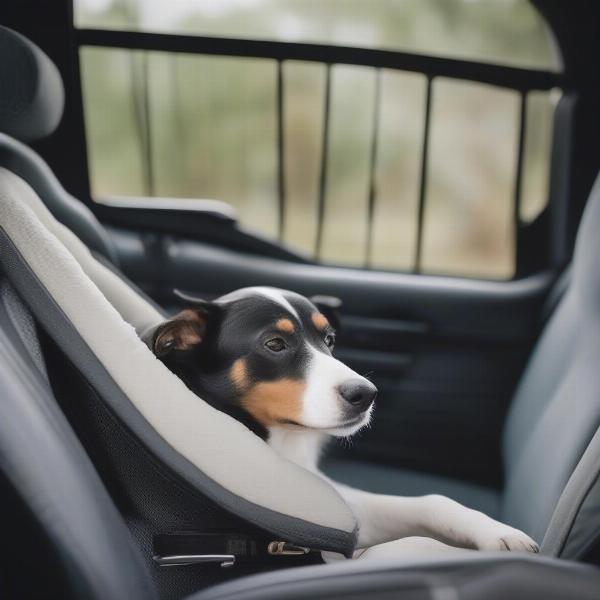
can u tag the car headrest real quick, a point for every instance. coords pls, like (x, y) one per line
(31, 90)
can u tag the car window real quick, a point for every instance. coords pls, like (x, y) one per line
(350, 164)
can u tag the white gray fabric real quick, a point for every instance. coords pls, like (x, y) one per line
(219, 446)
(128, 303)
(404, 549)
(414, 548)
(74, 214)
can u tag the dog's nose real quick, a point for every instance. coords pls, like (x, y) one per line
(360, 394)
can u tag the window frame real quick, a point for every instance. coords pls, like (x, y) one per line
(532, 240)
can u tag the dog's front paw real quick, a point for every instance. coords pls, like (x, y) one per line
(506, 539)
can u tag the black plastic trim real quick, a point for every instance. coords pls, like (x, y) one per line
(494, 74)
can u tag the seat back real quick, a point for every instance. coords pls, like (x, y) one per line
(556, 408)
(46, 474)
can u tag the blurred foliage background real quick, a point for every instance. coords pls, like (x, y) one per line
(187, 126)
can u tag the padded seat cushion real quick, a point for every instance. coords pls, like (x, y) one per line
(91, 314)
(403, 482)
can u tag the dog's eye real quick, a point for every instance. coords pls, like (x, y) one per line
(275, 344)
(329, 340)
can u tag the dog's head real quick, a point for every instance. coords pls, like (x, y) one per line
(265, 353)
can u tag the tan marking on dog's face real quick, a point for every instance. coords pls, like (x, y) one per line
(274, 402)
(285, 325)
(319, 320)
(238, 375)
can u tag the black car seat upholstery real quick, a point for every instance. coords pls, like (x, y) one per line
(43, 465)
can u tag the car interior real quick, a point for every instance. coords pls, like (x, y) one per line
(118, 482)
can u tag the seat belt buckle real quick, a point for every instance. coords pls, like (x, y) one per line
(226, 548)
(286, 549)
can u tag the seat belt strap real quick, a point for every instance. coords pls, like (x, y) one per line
(225, 548)
(575, 524)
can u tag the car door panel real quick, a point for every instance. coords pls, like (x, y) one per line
(445, 353)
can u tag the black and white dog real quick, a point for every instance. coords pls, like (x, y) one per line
(264, 356)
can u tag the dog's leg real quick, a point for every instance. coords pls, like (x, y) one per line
(385, 518)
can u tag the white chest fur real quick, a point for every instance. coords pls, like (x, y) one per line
(300, 447)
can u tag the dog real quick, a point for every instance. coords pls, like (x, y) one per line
(264, 356)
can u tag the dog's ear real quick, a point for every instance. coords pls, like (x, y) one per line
(187, 329)
(184, 331)
(329, 306)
